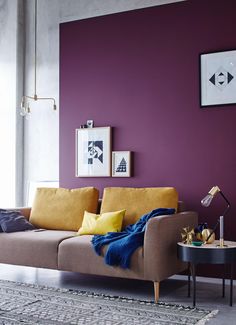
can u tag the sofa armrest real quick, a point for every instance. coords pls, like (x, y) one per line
(160, 249)
(25, 211)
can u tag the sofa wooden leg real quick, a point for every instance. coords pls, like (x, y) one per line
(156, 290)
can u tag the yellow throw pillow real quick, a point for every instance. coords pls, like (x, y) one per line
(96, 224)
(62, 209)
(138, 201)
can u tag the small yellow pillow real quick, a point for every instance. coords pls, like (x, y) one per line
(96, 224)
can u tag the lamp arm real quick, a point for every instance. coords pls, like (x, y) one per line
(228, 206)
(218, 221)
(213, 230)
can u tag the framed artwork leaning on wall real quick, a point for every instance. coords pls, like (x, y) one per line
(218, 78)
(93, 152)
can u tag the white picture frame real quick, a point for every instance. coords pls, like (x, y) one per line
(218, 78)
(121, 163)
(93, 152)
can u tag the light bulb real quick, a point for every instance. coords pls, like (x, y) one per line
(23, 111)
(28, 109)
(206, 201)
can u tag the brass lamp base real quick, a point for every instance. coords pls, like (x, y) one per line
(221, 243)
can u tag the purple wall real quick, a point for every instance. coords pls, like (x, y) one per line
(138, 72)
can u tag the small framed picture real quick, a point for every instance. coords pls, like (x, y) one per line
(218, 78)
(93, 152)
(90, 123)
(121, 163)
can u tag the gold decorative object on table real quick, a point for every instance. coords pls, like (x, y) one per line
(198, 235)
(187, 235)
(206, 238)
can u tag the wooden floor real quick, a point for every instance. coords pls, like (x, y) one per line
(173, 290)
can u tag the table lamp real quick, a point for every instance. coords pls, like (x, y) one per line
(206, 201)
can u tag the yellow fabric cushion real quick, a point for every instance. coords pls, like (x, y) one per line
(96, 224)
(62, 209)
(138, 201)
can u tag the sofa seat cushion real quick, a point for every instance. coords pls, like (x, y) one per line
(32, 248)
(77, 255)
(62, 209)
(138, 201)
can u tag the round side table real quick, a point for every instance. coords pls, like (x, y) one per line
(208, 254)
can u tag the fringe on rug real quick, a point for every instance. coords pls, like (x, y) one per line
(207, 317)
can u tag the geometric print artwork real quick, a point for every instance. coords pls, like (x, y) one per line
(221, 78)
(218, 78)
(121, 163)
(122, 167)
(95, 151)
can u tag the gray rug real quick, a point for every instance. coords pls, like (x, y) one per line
(31, 304)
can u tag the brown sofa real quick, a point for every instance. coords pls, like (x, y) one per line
(62, 250)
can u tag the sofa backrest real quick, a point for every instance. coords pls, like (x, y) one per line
(62, 209)
(181, 206)
(138, 201)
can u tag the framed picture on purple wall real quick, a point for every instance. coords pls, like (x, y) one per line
(121, 163)
(218, 78)
(93, 152)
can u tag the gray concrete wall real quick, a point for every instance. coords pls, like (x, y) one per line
(41, 131)
(8, 76)
(20, 59)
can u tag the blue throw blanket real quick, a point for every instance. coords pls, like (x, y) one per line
(123, 244)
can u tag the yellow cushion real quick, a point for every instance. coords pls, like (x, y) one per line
(138, 201)
(62, 209)
(96, 224)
